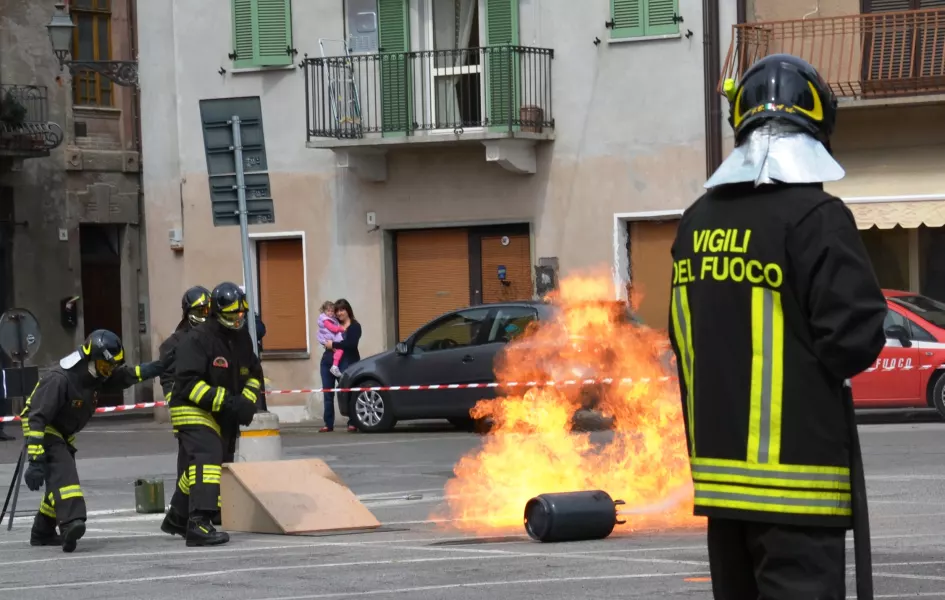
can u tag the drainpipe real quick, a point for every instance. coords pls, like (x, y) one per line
(711, 70)
(145, 349)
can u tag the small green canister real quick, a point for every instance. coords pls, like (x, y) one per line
(149, 495)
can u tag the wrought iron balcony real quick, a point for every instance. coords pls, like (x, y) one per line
(24, 126)
(473, 93)
(862, 56)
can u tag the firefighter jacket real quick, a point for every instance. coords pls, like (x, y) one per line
(773, 305)
(167, 351)
(65, 398)
(212, 365)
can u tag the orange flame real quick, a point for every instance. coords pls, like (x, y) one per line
(534, 447)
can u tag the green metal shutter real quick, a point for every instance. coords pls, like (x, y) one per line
(502, 62)
(628, 18)
(396, 91)
(661, 17)
(243, 33)
(262, 33)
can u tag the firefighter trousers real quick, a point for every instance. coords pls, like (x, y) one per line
(776, 562)
(62, 498)
(200, 453)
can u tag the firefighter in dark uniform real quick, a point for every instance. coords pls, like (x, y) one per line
(59, 407)
(195, 308)
(774, 306)
(217, 384)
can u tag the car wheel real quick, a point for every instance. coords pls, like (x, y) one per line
(371, 410)
(938, 395)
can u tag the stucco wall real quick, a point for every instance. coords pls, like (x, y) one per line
(629, 137)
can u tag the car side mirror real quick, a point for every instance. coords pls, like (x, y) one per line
(402, 349)
(898, 332)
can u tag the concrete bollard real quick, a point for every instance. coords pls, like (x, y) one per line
(261, 440)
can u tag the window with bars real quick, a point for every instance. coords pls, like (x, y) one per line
(91, 40)
(903, 50)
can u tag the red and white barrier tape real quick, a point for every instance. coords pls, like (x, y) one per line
(465, 386)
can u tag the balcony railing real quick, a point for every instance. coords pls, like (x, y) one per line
(397, 94)
(877, 55)
(24, 123)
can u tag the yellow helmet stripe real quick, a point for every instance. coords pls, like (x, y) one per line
(199, 301)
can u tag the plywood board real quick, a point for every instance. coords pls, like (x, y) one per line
(289, 497)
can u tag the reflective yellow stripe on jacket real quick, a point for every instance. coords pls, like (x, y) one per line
(191, 415)
(761, 482)
(682, 326)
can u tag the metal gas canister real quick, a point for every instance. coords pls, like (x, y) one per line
(149, 495)
(571, 516)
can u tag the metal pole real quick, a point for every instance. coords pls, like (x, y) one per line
(15, 485)
(244, 231)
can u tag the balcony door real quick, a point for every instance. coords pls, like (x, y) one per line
(903, 51)
(453, 60)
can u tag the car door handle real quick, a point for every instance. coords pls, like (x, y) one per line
(468, 358)
(929, 353)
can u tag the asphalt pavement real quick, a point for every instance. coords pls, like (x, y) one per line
(400, 477)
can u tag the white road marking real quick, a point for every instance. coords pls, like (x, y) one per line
(909, 576)
(266, 569)
(487, 584)
(380, 443)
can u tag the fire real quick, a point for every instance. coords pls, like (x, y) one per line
(534, 448)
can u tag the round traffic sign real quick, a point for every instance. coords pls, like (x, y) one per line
(20, 334)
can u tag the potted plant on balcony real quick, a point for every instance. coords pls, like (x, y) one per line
(12, 112)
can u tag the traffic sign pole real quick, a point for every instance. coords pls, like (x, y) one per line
(244, 230)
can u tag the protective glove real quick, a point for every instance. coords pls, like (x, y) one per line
(246, 410)
(151, 370)
(35, 475)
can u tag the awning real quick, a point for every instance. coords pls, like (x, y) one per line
(899, 174)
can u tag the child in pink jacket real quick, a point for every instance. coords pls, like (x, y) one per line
(330, 329)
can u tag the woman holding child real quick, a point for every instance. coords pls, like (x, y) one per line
(339, 332)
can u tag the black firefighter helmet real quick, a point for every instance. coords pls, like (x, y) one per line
(195, 304)
(229, 305)
(786, 88)
(104, 351)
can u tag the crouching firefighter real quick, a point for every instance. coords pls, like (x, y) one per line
(774, 307)
(217, 380)
(60, 406)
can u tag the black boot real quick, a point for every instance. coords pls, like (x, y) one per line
(174, 523)
(71, 532)
(44, 531)
(200, 532)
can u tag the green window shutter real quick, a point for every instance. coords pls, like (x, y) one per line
(273, 33)
(628, 18)
(243, 33)
(502, 63)
(262, 31)
(660, 17)
(393, 38)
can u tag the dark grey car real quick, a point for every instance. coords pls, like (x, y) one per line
(458, 347)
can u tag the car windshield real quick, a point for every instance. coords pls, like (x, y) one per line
(932, 311)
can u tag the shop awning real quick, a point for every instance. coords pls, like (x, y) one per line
(913, 180)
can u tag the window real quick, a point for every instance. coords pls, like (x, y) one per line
(932, 311)
(262, 33)
(901, 47)
(638, 18)
(361, 26)
(510, 323)
(893, 318)
(456, 331)
(281, 293)
(91, 40)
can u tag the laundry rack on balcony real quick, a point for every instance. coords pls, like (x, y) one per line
(342, 88)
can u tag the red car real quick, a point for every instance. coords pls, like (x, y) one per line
(908, 372)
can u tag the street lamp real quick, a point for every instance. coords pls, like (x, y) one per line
(60, 28)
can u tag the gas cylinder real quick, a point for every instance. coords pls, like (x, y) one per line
(571, 516)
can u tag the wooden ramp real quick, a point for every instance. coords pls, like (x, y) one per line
(289, 497)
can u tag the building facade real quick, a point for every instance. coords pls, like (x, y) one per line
(885, 60)
(425, 155)
(71, 246)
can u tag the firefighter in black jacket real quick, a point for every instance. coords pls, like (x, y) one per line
(60, 406)
(774, 305)
(195, 308)
(217, 382)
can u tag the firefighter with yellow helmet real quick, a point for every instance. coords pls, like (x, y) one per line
(774, 307)
(217, 384)
(61, 405)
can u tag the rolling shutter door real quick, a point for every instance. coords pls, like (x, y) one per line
(516, 258)
(432, 275)
(282, 295)
(651, 268)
